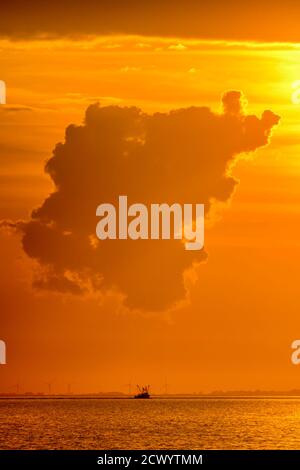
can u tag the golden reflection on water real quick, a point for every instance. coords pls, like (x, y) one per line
(215, 423)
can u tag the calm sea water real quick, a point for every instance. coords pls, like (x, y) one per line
(150, 424)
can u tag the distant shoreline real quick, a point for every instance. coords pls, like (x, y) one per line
(153, 397)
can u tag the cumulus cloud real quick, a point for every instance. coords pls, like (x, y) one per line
(181, 156)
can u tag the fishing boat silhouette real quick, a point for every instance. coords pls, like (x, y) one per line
(143, 392)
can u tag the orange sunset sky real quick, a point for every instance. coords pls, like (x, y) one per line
(235, 328)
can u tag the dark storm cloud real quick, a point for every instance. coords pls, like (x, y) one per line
(216, 19)
(181, 156)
